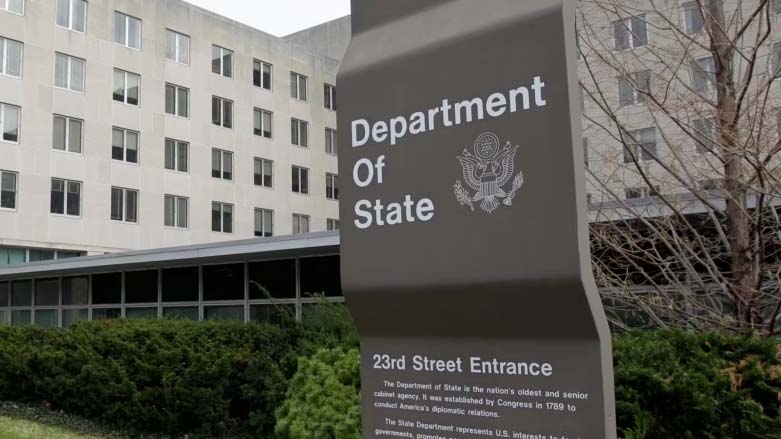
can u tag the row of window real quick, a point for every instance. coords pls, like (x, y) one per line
(18, 255)
(632, 32)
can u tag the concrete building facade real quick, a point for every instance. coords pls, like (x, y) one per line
(134, 124)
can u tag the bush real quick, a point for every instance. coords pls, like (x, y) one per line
(166, 376)
(323, 401)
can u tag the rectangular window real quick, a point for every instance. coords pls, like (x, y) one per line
(124, 205)
(176, 211)
(222, 61)
(331, 187)
(300, 224)
(261, 74)
(15, 6)
(68, 134)
(222, 217)
(176, 155)
(264, 223)
(585, 151)
(222, 164)
(69, 72)
(222, 112)
(703, 75)
(705, 135)
(177, 100)
(264, 173)
(775, 61)
(127, 31)
(72, 14)
(10, 121)
(638, 193)
(177, 47)
(330, 141)
(630, 33)
(8, 189)
(124, 145)
(298, 86)
(632, 89)
(640, 145)
(330, 97)
(332, 224)
(300, 180)
(11, 57)
(299, 132)
(693, 20)
(66, 197)
(126, 87)
(263, 123)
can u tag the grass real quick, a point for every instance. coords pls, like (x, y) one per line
(23, 429)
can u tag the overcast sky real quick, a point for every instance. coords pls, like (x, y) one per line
(278, 17)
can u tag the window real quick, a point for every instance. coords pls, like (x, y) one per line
(632, 89)
(264, 173)
(67, 134)
(124, 145)
(261, 74)
(75, 290)
(222, 61)
(66, 197)
(180, 285)
(176, 211)
(126, 87)
(124, 205)
(10, 57)
(320, 276)
(711, 185)
(272, 279)
(703, 75)
(263, 123)
(222, 217)
(705, 135)
(8, 190)
(298, 86)
(775, 61)
(222, 112)
(127, 31)
(330, 97)
(585, 151)
(264, 223)
(331, 187)
(630, 33)
(222, 164)
(299, 132)
(177, 100)
(640, 193)
(141, 287)
(15, 6)
(300, 224)
(106, 288)
(693, 20)
(177, 47)
(332, 224)
(10, 120)
(330, 141)
(69, 72)
(72, 14)
(640, 145)
(176, 155)
(300, 180)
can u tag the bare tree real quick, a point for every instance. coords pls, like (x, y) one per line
(682, 141)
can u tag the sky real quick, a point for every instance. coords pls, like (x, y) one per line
(278, 17)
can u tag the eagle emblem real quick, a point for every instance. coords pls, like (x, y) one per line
(488, 171)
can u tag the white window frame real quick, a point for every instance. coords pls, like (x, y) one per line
(300, 179)
(627, 22)
(70, 16)
(298, 77)
(4, 6)
(262, 85)
(223, 50)
(263, 225)
(3, 107)
(223, 102)
(67, 134)
(710, 86)
(331, 137)
(222, 217)
(331, 224)
(125, 191)
(126, 75)
(333, 180)
(262, 172)
(16, 189)
(262, 125)
(127, 31)
(299, 124)
(69, 74)
(124, 146)
(223, 153)
(65, 198)
(692, 6)
(176, 199)
(329, 93)
(176, 100)
(178, 36)
(299, 217)
(4, 60)
(177, 144)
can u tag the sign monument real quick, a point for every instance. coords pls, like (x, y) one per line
(464, 244)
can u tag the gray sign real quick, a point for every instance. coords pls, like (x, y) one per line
(464, 243)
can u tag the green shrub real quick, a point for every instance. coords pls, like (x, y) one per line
(323, 401)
